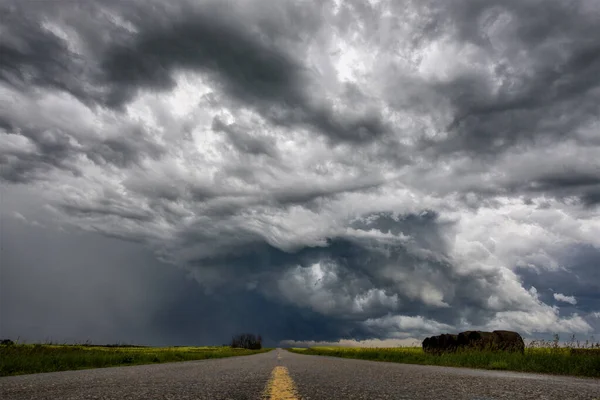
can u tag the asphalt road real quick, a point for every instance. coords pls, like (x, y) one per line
(314, 377)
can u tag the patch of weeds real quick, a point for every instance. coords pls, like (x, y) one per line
(18, 359)
(501, 365)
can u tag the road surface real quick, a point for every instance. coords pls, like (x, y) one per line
(283, 375)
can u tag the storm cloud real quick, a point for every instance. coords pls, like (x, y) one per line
(315, 171)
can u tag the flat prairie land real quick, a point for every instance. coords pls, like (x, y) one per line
(19, 359)
(548, 360)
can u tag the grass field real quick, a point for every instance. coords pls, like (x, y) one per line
(550, 359)
(21, 359)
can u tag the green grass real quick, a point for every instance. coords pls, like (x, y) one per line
(34, 358)
(558, 361)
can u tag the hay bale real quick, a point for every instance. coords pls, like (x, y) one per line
(475, 340)
(508, 341)
(439, 344)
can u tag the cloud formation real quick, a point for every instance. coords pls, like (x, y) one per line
(566, 299)
(393, 168)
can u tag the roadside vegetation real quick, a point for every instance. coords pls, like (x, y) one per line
(18, 359)
(550, 357)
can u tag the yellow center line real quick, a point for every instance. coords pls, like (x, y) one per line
(281, 386)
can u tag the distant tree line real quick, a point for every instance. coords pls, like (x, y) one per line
(247, 341)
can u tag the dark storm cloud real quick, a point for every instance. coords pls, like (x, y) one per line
(53, 148)
(591, 197)
(31, 55)
(57, 148)
(183, 312)
(124, 151)
(423, 228)
(75, 286)
(108, 210)
(569, 180)
(245, 60)
(380, 275)
(197, 318)
(585, 186)
(563, 185)
(424, 258)
(202, 41)
(310, 196)
(547, 65)
(518, 75)
(251, 68)
(580, 277)
(244, 142)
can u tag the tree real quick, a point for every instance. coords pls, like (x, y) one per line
(247, 341)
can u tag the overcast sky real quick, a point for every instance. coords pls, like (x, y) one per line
(176, 172)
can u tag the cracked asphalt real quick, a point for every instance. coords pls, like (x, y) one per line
(314, 377)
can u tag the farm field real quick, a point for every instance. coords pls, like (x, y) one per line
(19, 359)
(583, 362)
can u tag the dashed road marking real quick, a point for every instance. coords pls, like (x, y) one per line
(281, 386)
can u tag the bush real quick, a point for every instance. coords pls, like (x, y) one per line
(7, 342)
(247, 341)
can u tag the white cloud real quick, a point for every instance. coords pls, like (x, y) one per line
(565, 299)
(400, 325)
(543, 319)
(18, 216)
